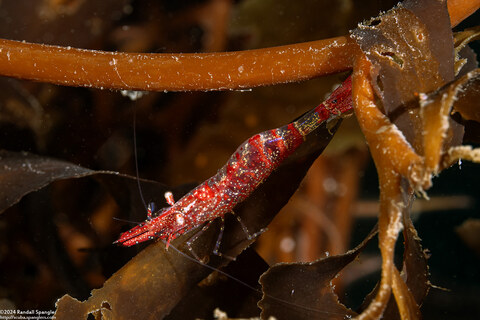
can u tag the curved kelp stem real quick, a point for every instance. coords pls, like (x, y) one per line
(175, 72)
(389, 171)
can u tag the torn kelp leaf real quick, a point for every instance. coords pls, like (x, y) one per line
(304, 290)
(465, 58)
(411, 51)
(406, 43)
(22, 173)
(440, 132)
(415, 269)
(467, 101)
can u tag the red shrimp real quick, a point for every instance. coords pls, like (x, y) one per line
(247, 168)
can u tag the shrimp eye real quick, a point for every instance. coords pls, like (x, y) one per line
(150, 210)
(179, 219)
(151, 207)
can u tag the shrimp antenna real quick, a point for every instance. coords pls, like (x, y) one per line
(127, 221)
(136, 157)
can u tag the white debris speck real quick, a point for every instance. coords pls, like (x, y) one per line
(330, 185)
(219, 314)
(287, 244)
(382, 129)
(133, 95)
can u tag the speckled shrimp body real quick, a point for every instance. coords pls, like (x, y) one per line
(247, 168)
